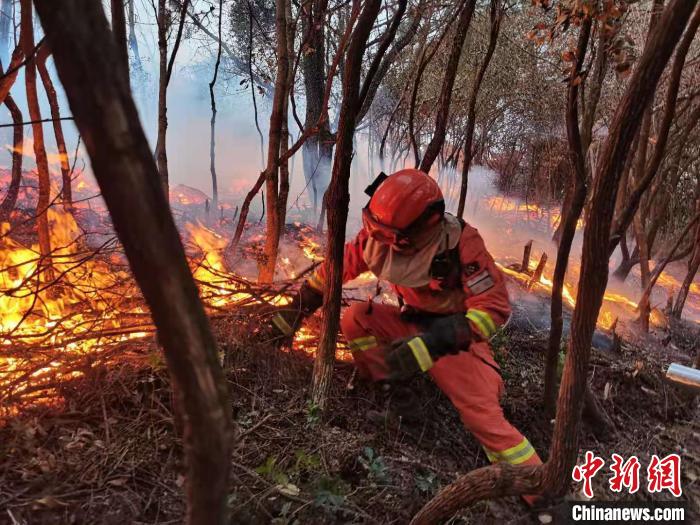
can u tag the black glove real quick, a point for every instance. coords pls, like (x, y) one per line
(287, 319)
(444, 335)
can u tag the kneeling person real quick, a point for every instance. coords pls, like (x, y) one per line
(453, 299)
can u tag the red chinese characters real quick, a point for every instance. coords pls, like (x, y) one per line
(587, 472)
(625, 474)
(662, 474)
(665, 474)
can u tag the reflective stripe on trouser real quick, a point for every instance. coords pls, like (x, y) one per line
(470, 379)
(516, 455)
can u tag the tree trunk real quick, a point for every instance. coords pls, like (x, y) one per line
(133, 41)
(647, 172)
(496, 17)
(212, 141)
(272, 171)
(8, 203)
(337, 202)
(161, 152)
(693, 266)
(555, 475)
(448, 80)
(578, 160)
(42, 163)
(5, 29)
(316, 172)
(658, 270)
(105, 114)
(66, 188)
(119, 30)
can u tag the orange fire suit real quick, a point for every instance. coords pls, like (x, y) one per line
(470, 379)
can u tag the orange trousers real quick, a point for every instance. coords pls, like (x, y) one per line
(469, 379)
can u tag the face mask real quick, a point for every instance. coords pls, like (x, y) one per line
(410, 266)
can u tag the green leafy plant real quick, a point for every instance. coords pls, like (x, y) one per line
(426, 482)
(329, 494)
(313, 414)
(272, 471)
(305, 462)
(374, 464)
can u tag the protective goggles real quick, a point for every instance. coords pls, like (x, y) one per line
(400, 238)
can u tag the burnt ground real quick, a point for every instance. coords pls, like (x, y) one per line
(110, 454)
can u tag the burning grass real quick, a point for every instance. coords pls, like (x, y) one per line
(63, 314)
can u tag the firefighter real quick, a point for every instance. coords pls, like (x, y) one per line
(452, 296)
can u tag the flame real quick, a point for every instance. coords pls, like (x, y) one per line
(27, 150)
(92, 304)
(505, 205)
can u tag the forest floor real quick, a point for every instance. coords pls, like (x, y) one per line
(110, 455)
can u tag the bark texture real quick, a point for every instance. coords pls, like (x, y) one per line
(338, 200)
(104, 111)
(577, 155)
(42, 163)
(66, 186)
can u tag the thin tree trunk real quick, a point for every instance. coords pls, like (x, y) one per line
(133, 41)
(337, 202)
(252, 82)
(647, 172)
(277, 118)
(578, 161)
(8, 203)
(105, 114)
(5, 28)
(8, 80)
(66, 188)
(448, 81)
(42, 163)
(496, 17)
(658, 270)
(313, 70)
(555, 475)
(165, 71)
(119, 30)
(161, 153)
(212, 142)
(693, 266)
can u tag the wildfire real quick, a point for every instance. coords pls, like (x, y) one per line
(607, 315)
(80, 301)
(505, 205)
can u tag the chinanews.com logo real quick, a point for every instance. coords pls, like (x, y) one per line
(662, 475)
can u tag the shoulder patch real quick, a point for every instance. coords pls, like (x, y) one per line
(481, 282)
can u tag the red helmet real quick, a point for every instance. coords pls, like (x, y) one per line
(407, 200)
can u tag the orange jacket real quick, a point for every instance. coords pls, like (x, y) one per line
(482, 296)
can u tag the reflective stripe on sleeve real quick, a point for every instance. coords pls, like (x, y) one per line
(420, 352)
(483, 322)
(520, 453)
(281, 323)
(363, 343)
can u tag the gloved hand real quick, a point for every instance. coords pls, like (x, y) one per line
(444, 335)
(287, 319)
